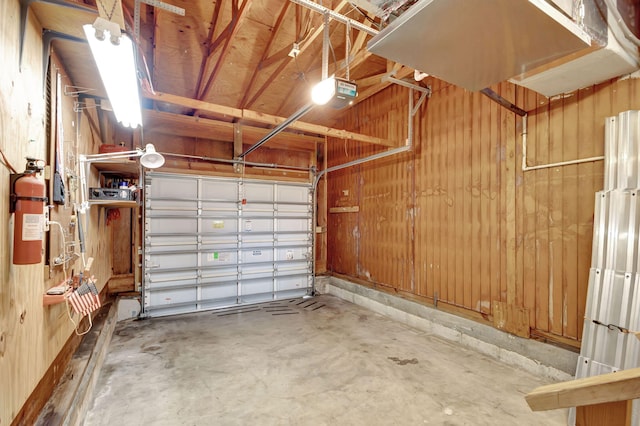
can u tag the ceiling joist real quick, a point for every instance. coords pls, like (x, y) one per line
(257, 117)
(203, 129)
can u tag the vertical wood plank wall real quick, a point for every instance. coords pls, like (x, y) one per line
(457, 221)
(32, 335)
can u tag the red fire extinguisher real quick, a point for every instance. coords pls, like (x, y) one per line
(28, 201)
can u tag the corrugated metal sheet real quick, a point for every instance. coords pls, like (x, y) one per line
(457, 220)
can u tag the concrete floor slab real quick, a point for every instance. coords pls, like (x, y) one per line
(320, 361)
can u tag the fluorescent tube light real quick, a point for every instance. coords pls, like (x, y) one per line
(117, 66)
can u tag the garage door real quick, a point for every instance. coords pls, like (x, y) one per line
(217, 242)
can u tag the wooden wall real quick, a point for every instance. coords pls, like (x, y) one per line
(32, 335)
(458, 222)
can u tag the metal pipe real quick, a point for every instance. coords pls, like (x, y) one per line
(363, 160)
(565, 163)
(280, 127)
(403, 83)
(246, 163)
(335, 15)
(408, 147)
(526, 168)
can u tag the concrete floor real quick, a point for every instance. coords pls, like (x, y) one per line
(324, 361)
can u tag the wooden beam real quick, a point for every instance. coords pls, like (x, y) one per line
(196, 104)
(258, 117)
(620, 386)
(206, 129)
(371, 80)
(111, 10)
(122, 283)
(366, 94)
(350, 209)
(265, 85)
(315, 128)
(281, 54)
(237, 140)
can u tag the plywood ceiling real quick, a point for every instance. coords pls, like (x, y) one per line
(230, 53)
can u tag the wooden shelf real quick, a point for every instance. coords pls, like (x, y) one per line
(54, 299)
(114, 203)
(127, 168)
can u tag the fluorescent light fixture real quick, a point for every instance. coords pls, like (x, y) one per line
(323, 91)
(114, 56)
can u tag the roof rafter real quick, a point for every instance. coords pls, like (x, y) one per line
(282, 55)
(254, 76)
(305, 45)
(234, 26)
(207, 54)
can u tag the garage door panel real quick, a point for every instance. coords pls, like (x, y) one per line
(218, 257)
(297, 194)
(219, 275)
(258, 192)
(256, 225)
(219, 225)
(291, 254)
(224, 292)
(156, 279)
(256, 291)
(168, 207)
(256, 255)
(300, 226)
(205, 248)
(178, 224)
(174, 260)
(170, 243)
(219, 189)
(298, 282)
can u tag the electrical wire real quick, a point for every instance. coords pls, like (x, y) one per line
(6, 163)
(66, 281)
(362, 12)
(76, 325)
(299, 72)
(64, 248)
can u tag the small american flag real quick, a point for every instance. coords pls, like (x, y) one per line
(85, 298)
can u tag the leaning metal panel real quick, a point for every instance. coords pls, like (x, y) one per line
(218, 242)
(610, 153)
(627, 162)
(612, 312)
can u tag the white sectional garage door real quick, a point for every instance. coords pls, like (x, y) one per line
(219, 242)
